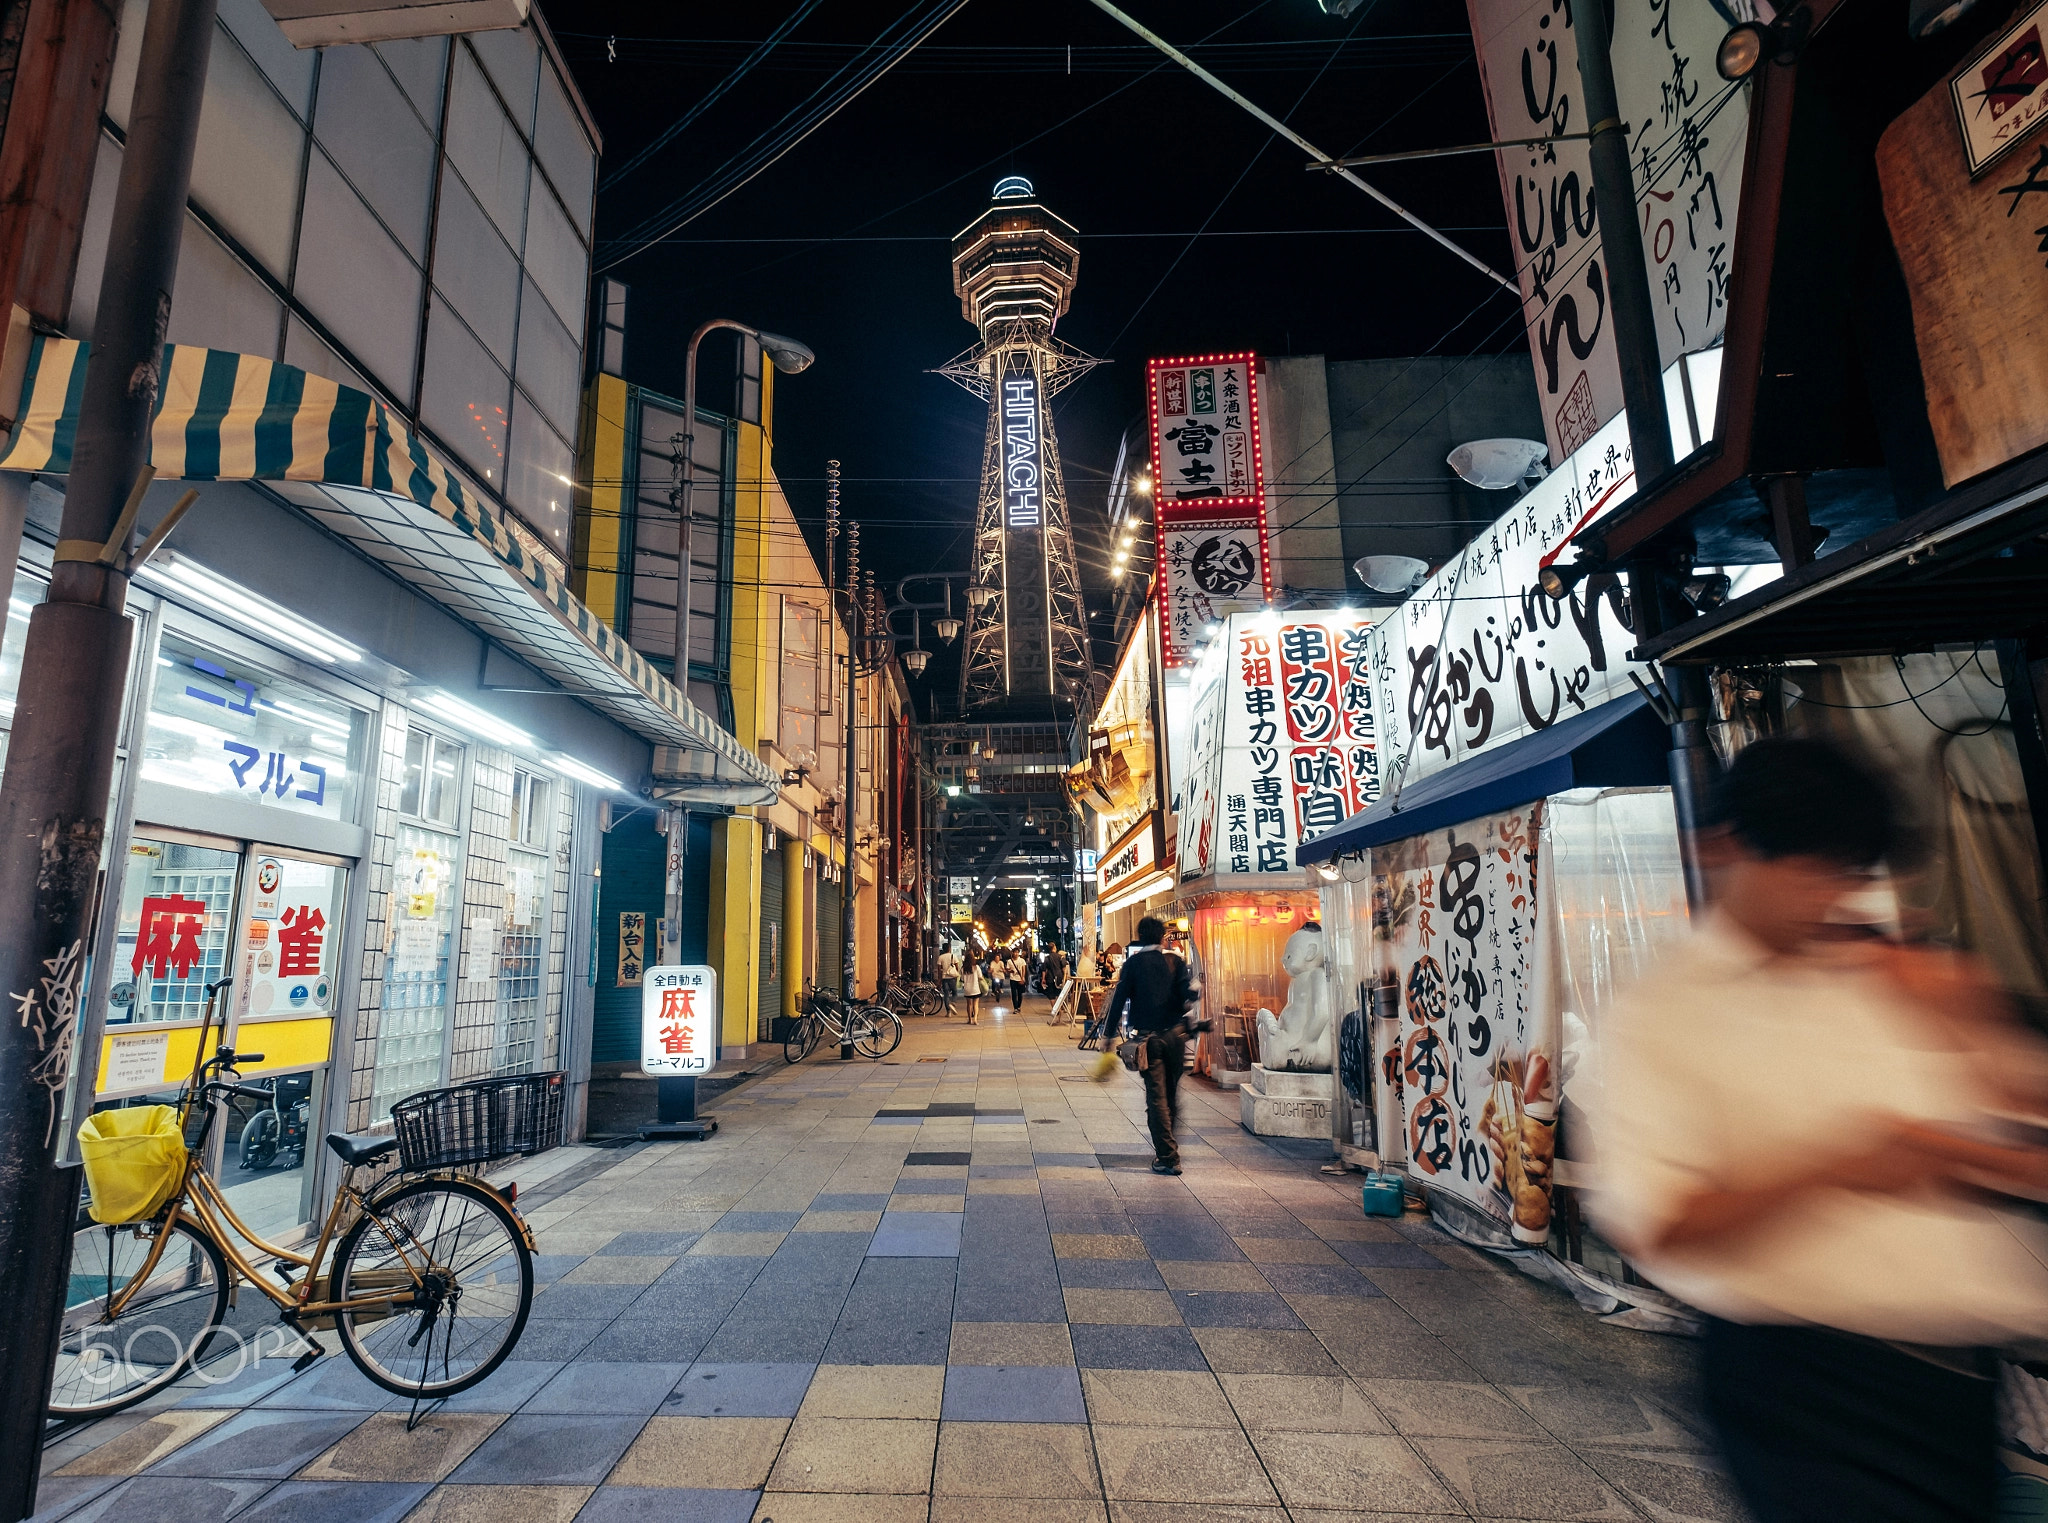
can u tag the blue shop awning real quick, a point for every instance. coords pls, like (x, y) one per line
(1620, 744)
(352, 465)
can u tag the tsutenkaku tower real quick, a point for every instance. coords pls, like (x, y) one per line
(1013, 269)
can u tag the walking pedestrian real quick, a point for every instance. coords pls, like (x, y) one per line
(971, 991)
(949, 975)
(1794, 1136)
(1152, 997)
(1017, 978)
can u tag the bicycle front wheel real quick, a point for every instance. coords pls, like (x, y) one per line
(930, 999)
(876, 1032)
(460, 1256)
(170, 1312)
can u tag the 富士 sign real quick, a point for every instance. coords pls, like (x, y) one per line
(679, 1021)
(1205, 430)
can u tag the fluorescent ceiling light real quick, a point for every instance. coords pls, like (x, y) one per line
(467, 717)
(249, 613)
(569, 766)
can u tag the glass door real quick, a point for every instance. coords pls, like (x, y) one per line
(285, 979)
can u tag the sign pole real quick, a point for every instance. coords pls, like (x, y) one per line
(53, 804)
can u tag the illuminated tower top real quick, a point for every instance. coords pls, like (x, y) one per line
(1015, 262)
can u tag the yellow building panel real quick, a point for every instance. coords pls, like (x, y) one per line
(600, 498)
(139, 1059)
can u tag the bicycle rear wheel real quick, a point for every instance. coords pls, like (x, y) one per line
(462, 1254)
(803, 1036)
(168, 1321)
(930, 1000)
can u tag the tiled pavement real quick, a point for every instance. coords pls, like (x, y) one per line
(946, 1289)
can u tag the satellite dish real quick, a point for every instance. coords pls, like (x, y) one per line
(1391, 574)
(1494, 464)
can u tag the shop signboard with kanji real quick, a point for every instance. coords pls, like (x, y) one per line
(679, 1021)
(290, 940)
(1211, 565)
(1205, 430)
(224, 727)
(1479, 655)
(1688, 135)
(1286, 741)
(1475, 1058)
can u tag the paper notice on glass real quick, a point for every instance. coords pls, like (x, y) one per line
(480, 946)
(525, 895)
(415, 948)
(135, 1062)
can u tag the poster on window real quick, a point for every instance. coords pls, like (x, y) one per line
(1476, 1043)
(1205, 430)
(1688, 132)
(1209, 568)
(1284, 742)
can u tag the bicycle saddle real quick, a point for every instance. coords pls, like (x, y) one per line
(360, 1149)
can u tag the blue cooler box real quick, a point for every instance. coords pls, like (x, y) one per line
(1382, 1194)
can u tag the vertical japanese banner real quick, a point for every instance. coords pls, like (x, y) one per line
(1209, 494)
(1201, 723)
(1477, 1033)
(1688, 132)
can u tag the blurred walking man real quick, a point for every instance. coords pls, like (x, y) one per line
(1152, 996)
(1795, 1136)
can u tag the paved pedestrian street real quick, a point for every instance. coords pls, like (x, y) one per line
(948, 1288)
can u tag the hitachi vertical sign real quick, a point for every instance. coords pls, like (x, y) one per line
(1020, 449)
(1023, 453)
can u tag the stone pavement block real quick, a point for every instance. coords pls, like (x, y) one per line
(1234, 1308)
(916, 1235)
(839, 1221)
(1262, 1351)
(1289, 1250)
(702, 1453)
(651, 1244)
(1016, 1510)
(1388, 1256)
(1040, 1343)
(500, 1504)
(1352, 1229)
(550, 1451)
(1176, 1464)
(250, 1383)
(1142, 1398)
(739, 1390)
(1180, 1512)
(1014, 1393)
(1124, 1308)
(139, 1447)
(881, 1390)
(1450, 1409)
(1302, 1404)
(258, 1444)
(838, 1507)
(649, 1336)
(1110, 1274)
(1016, 1460)
(881, 1456)
(794, 1336)
(721, 1244)
(951, 1205)
(661, 1504)
(557, 1338)
(1136, 1348)
(1209, 1275)
(1351, 1471)
(1093, 1245)
(757, 1221)
(583, 1302)
(1504, 1478)
(507, 1388)
(335, 1502)
(1319, 1280)
(382, 1450)
(618, 1269)
(604, 1387)
(1670, 1484)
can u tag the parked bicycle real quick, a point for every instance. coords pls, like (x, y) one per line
(920, 997)
(424, 1274)
(875, 1030)
(277, 1134)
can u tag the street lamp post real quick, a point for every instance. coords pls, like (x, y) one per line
(791, 357)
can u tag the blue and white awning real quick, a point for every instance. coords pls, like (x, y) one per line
(351, 464)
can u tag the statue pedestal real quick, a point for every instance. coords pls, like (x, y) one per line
(1283, 1103)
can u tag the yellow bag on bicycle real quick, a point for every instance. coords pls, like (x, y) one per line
(133, 1159)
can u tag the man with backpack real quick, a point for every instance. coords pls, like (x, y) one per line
(1153, 995)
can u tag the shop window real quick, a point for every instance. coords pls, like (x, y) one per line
(175, 930)
(412, 1031)
(222, 726)
(533, 803)
(522, 960)
(433, 778)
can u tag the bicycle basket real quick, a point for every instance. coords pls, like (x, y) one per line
(133, 1160)
(476, 1122)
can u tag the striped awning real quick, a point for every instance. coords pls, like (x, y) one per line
(353, 465)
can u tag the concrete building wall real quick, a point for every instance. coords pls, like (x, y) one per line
(1302, 507)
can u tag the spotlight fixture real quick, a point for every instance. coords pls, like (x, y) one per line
(1749, 43)
(1558, 581)
(1706, 591)
(1740, 52)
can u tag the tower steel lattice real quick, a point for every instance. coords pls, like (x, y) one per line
(1014, 268)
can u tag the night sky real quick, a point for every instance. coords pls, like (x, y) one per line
(845, 241)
